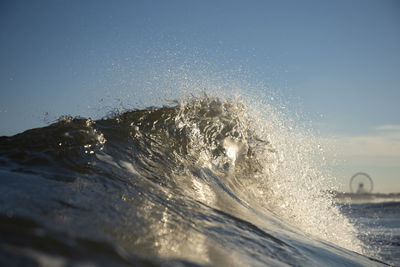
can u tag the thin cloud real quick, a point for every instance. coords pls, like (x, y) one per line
(389, 127)
(381, 148)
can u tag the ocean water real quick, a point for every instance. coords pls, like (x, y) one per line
(203, 182)
(378, 224)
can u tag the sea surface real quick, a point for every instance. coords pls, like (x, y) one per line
(203, 182)
(378, 224)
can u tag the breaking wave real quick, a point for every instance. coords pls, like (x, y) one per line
(204, 181)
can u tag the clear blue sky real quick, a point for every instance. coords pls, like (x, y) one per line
(339, 59)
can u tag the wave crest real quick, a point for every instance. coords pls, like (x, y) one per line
(214, 151)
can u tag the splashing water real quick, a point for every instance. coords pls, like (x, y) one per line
(209, 180)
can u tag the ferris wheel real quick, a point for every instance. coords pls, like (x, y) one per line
(361, 183)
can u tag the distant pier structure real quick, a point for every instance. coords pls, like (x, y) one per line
(361, 183)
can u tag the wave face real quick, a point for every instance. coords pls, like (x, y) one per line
(208, 181)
